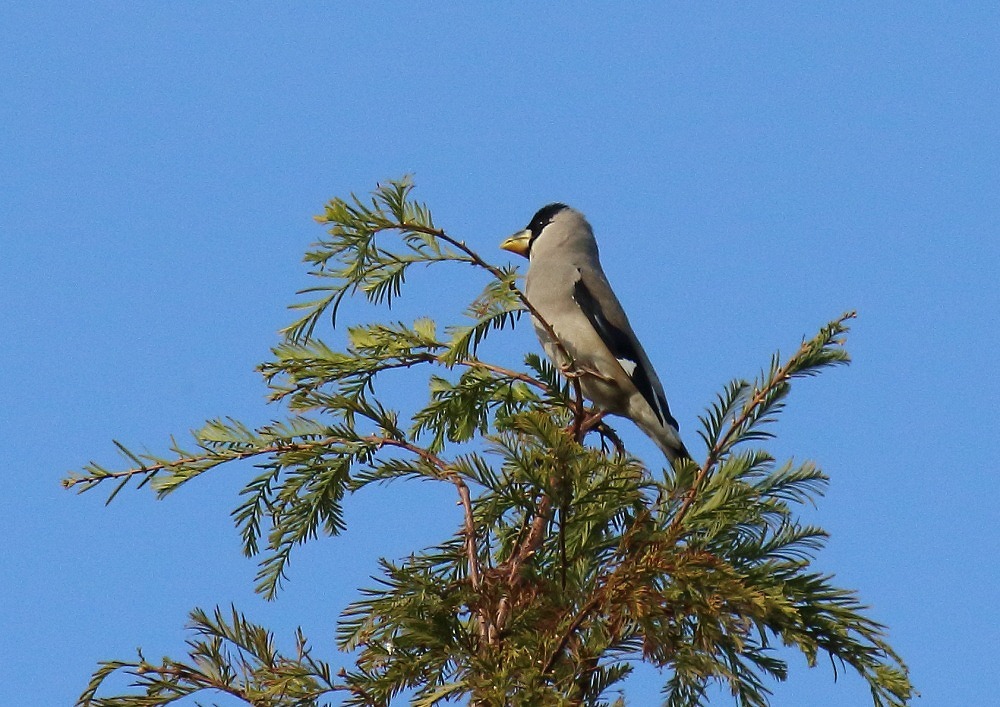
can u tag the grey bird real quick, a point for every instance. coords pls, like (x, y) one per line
(567, 287)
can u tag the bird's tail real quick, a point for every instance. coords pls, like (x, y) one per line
(666, 436)
(669, 441)
(673, 449)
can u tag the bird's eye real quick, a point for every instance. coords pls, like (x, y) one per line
(544, 217)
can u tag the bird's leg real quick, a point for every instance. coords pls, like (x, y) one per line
(574, 372)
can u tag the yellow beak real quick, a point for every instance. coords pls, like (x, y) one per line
(518, 243)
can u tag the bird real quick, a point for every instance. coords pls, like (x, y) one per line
(567, 288)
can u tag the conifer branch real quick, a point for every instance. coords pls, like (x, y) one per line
(805, 361)
(96, 474)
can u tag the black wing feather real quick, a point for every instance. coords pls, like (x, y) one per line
(621, 345)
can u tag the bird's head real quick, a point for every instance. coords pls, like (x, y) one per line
(547, 219)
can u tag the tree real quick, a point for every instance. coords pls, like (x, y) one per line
(574, 561)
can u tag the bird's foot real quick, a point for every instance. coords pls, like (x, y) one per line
(575, 370)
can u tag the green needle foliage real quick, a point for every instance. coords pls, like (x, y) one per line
(574, 560)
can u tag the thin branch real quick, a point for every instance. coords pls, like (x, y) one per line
(578, 411)
(198, 680)
(781, 376)
(600, 593)
(417, 359)
(90, 482)
(608, 433)
(522, 551)
(476, 259)
(533, 540)
(525, 546)
(578, 619)
(465, 498)
(506, 372)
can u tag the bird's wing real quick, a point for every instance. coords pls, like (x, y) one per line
(598, 302)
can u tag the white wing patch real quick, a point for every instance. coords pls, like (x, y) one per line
(628, 365)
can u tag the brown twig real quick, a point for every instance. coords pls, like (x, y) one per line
(522, 551)
(506, 372)
(578, 411)
(533, 540)
(464, 495)
(594, 420)
(578, 619)
(608, 432)
(201, 680)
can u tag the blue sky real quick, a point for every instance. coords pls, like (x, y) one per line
(750, 172)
